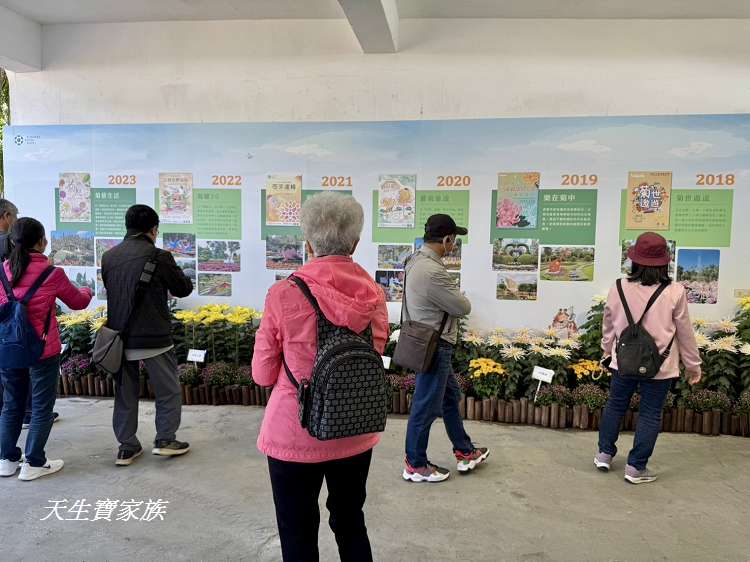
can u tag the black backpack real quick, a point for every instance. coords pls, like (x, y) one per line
(347, 392)
(637, 353)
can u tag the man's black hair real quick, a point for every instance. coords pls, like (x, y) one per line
(140, 218)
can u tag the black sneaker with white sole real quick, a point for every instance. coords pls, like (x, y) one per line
(167, 448)
(126, 458)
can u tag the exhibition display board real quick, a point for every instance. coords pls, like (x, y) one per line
(551, 204)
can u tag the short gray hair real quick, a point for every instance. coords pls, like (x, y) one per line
(332, 223)
(6, 207)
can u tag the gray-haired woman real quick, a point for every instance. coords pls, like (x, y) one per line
(298, 463)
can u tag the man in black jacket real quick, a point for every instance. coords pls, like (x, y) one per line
(8, 216)
(146, 332)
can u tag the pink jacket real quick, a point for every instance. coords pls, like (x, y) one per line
(668, 317)
(348, 297)
(56, 286)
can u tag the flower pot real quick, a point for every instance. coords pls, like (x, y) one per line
(461, 407)
(196, 395)
(478, 410)
(394, 402)
(636, 415)
(698, 422)
(202, 394)
(725, 423)
(470, 408)
(666, 421)
(493, 408)
(562, 422)
(734, 424)
(409, 398)
(716, 422)
(680, 427)
(688, 427)
(508, 411)
(524, 410)
(744, 425)
(501, 411)
(78, 387)
(545, 416)
(246, 395)
(628, 420)
(403, 406)
(708, 423)
(150, 390)
(597, 420)
(65, 387)
(537, 415)
(214, 394)
(187, 394)
(584, 417)
(486, 409)
(59, 386)
(554, 415)
(256, 392)
(577, 416)
(516, 408)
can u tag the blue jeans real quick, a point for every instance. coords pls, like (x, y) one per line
(436, 393)
(41, 381)
(653, 395)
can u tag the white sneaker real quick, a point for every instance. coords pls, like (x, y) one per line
(8, 468)
(29, 472)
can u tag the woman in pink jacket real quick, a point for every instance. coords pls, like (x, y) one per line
(668, 323)
(26, 264)
(297, 462)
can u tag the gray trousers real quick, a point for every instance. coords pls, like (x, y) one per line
(162, 373)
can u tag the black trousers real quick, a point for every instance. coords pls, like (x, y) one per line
(296, 487)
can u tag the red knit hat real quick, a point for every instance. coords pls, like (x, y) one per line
(650, 250)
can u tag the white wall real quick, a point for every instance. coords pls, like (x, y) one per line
(313, 70)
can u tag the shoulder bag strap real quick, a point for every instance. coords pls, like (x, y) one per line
(652, 300)
(144, 280)
(32, 291)
(318, 311)
(6, 284)
(443, 322)
(624, 301)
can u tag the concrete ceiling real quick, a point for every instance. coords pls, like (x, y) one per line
(78, 11)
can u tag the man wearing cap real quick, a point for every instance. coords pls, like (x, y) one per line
(430, 294)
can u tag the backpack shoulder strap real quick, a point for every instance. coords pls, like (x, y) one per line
(308, 294)
(6, 284)
(652, 300)
(38, 283)
(624, 301)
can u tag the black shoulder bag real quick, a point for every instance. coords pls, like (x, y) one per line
(637, 353)
(108, 347)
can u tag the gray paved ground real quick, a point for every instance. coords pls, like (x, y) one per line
(538, 498)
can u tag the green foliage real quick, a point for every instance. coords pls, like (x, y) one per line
(591, 396)
(4, 120)
(591, 337)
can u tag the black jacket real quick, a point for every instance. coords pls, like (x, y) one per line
(4, 246)
(150, 325)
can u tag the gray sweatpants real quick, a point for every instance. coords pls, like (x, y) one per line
(162, 373)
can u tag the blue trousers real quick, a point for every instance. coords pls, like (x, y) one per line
(653, 395)
(41, 382)
(436, 394)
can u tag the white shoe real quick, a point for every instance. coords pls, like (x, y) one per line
(8, 468)
(29, 472)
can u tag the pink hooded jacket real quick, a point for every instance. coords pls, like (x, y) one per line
(348, 297)
(57, 286)
(667, 318)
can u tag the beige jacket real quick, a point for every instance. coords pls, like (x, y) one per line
(430, 292)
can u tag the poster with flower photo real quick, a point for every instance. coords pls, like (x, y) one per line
(75, 197)
(517, 200)
(283, 200)
(397, 201)
(176, 198)
(649, 195)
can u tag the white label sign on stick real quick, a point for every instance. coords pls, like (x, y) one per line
(542, 374)
(196, 355)
(386, 362)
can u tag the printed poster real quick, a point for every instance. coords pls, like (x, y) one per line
(75, 197)
(649, 195)
(176, 198)
(283, 200)
(517, 200)
(397, 201)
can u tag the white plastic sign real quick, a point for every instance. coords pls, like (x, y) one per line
(196, 355)
(542, 374)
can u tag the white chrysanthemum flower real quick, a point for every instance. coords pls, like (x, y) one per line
(498, 340)
(395, 335)
(551, 333)
(538, 349)
(570, 343)
(702, 340)
(473, 337)
(745, 349)
(599, 299)
(559, 352)
(725, 326)
(727, 343)
(513, 352)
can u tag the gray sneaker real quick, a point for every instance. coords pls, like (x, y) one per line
(635, 476)
(603, 461)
